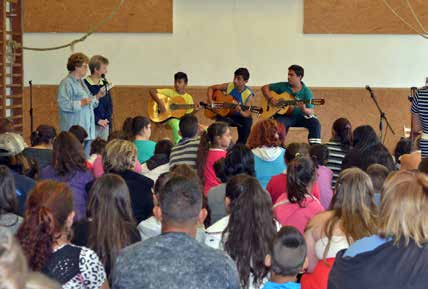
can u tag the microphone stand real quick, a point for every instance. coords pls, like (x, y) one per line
(31, 106)
(382, 115)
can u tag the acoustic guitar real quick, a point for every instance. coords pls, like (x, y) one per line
(225, 105)
(176, 107)
(285, 100)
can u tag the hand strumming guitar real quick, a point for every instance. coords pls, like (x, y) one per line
(161, 107)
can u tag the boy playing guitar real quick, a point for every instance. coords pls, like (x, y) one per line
(242, 94)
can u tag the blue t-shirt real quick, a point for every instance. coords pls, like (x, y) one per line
(288, 285)
(365, 244)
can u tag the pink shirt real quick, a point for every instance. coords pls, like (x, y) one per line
(210, 178)
(98, 169)
(291, 214)
(324, 179)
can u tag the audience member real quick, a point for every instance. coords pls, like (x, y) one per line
(45, 238)
(378, 174)
(396, 255)
(298, 206)
(79, 132)
(287, 258)
(319, 155)
(175, 259)
(9, 205)
(186, 151)
(98, 146)
(69, 166)
(338, 146)
(266, 142)
(159, 162)
(212, 147)
(352, 216)
(119, 158)
(239, 160)
(41, 145)
(411, 161)
(110, 204)
(139, 130)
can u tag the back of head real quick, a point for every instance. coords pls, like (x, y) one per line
(404, 146)
(251, 227)
(343, 132)
(364, 136)
(163, 147)
(265, 133)
(6, 125)
(319, 154)
(296, 150)
(189, 126)
(186, 171)
(219, 170)
(79, 132)
(97, 146)
(8, 198)
(300, 175)
(119, 155)
(353, 205)
(44, 134)
(242, 71)
(375, 154)
(68, 155)
(136, 126)
(11, 144)
(404, 206)
(288, 252)
(239, 160)
(110, 203)
(48, 207)
(13, 265)
(180, 201)
(378, 174)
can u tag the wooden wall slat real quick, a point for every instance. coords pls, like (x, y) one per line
(80, 15)
(352, 103)
(361, 16)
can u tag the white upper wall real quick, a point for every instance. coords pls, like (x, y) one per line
(212, 38)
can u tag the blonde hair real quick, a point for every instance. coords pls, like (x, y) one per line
(37, 280)
(404, 207)
(96, 61)
(119, 155)
(353, 207)
(13, 264)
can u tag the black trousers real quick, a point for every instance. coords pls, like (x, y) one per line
(311, 123)
(243, 124)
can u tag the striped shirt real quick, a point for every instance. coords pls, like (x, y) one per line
(185, 153)
(420, 107)
(335, 158)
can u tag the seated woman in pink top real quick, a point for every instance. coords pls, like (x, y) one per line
(319, 154)
(278, 184)
(298, 206)
(212, 147)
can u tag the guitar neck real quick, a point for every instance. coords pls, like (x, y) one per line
(183, 106)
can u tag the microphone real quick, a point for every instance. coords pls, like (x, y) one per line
(369, 88)
(103, 76)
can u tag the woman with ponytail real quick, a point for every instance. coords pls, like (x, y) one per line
(212, 147)
(298, 206)
(45, 238)
(139, 131)
(338, 146)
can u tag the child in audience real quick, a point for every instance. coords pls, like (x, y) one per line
(319, 155)
(79, 132)
(403, 147)
(266, 141)
(139, 129)
(212, 147)
(298, 206)
(9, 218)
(352, 216)
(45, 238)
(411, 161)
(278, 184)
(287, 259)
(41, 145)
(97, 149)
(159, 162)
(378, 174)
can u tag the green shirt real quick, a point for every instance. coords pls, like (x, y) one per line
(145, 149)
(305, 94)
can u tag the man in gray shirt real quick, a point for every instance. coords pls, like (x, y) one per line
(174, 259)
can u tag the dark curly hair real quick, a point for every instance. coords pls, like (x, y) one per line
(266, 133)
(48, 207)
(251, 228)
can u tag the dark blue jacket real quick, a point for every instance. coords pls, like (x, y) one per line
(105, 106)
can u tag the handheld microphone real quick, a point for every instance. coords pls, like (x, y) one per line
(103, 76)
